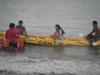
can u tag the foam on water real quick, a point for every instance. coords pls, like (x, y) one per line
(24, 65)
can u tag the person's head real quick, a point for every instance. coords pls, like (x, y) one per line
(20, 23)
(12, 25)
(57, 27)
(95, 23)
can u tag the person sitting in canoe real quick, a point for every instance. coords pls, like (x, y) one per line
(11, 35)
(21, 30)
(94, 35)
(59, 33)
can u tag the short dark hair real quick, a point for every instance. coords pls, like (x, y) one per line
(11, 25)
(95, 22)
(20, 21)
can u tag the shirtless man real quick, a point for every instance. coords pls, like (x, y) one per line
(95, 34)
(21, 30)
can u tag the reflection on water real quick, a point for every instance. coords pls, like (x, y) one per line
(94, 50)
(50, 51)
(56, 51)
(8, 50)
(58, 48)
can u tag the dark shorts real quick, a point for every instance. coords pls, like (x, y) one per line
(13, 44)
(95, 38)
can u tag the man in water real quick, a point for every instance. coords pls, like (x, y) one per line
(94, 35)
(21, 30)
(11, 35)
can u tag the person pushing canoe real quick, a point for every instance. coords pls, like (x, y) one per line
(94, 35)
(11, 35)
(21, 30)
(13, 39)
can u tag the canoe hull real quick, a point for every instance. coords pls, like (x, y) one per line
(47, 40)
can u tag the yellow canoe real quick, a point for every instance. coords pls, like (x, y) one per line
(47, 40)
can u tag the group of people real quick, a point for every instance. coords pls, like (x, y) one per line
(93, 36)
(14, 31)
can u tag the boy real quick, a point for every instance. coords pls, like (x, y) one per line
(21, 30)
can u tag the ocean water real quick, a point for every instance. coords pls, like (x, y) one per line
(40, 16)
(75, 16)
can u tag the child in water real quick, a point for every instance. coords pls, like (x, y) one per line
(59, 33)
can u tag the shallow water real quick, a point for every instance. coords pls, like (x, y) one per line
(43, 60)
(40, 16)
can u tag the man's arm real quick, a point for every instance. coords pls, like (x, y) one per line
(24, 31)
(91, 32)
